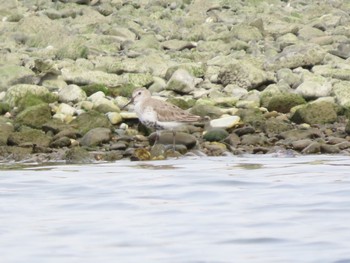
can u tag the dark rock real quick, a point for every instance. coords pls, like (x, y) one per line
(96, 136)
(233, 140)
(244, 130)
(55, 126)
(315, 113)
(61, 142)
(35, 116)
(343, 145)
(216, 135)
(77, 155)
(181, 138)
(69, 132)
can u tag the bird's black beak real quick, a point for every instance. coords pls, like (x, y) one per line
(130, 101)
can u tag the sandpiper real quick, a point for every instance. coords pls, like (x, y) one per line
(160, 115)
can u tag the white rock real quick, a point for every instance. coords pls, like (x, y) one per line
(66, 109)
(225, 122)
(96, 96)
(128, 115)
(314, 89)
(71, 93)
(114, 117)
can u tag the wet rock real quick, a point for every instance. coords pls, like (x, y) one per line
(225, 122)
(61, 142)
(95, 137)
(244, 130)
(13, 74)
(78, 155)
(71, 93)
(141, 154)
(312, 148)
(215, 148)
(181, 81)
(29, 136)
(244, 74)
(300, 145)
(35, 116)
(215, 135)
(90, 120)
(284, 102)
(276, 126)
(327, 148)
(300, 55)
(295, 134)
(158, 150)
(181, 138)
(253, 139)
(315, 113)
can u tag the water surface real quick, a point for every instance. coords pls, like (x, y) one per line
(226, 209)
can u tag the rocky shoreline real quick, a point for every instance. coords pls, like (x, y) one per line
(273, 76)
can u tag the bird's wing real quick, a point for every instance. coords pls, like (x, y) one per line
(170, 112)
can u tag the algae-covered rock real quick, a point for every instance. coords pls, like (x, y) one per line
(183, 104)
(13, 74)
(206, 110)
(299, 55)
(284, 102)
(29, 137)
(90, 120)
(275, 126)
(78, 155)
(180, 138)
(254, 117)
(341, 91)
(244, 74)
(93, 88)
(315, 113)
(5, 130)
(215, 135)
(34, 116)
(15, 93)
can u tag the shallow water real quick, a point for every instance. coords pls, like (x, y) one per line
(227, 209)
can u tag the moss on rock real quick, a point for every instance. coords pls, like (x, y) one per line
(284, 102)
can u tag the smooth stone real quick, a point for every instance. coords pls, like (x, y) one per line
(71, 93)
(225, 122)
(312, 148)
(96, 136)
(181, 81)
(215, 135)
(300, 145)
(65, 109)
(114, 117)
(180, 138)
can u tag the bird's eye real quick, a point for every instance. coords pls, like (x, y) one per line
(139, 93)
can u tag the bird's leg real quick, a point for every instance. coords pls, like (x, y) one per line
(174, 134)
(157, 137)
